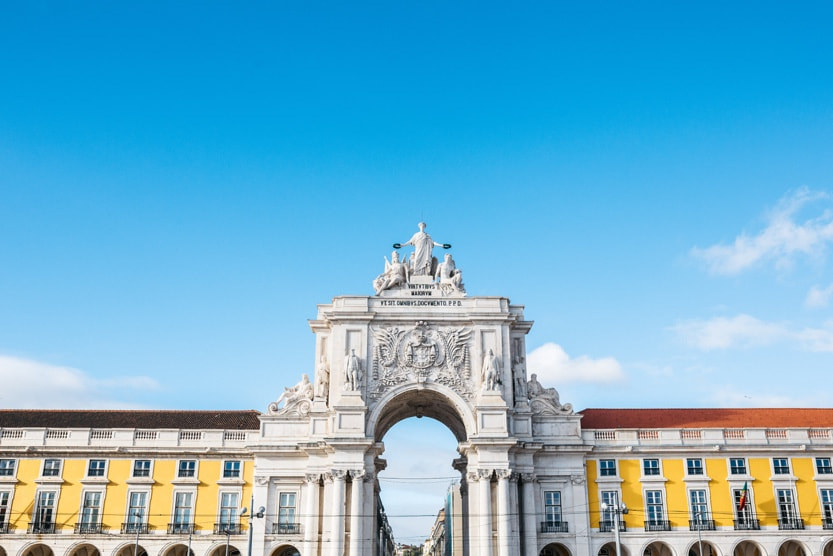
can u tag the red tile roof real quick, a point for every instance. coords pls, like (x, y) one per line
(706, 418)
(130, 419)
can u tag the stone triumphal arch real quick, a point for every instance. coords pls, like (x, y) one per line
(420, 346)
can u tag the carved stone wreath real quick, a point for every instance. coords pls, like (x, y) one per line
(421, 353)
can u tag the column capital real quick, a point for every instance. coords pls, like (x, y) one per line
(485, 474)
(528, 477)
(261, 480)
(312, 477)
(357, 474)
(338, 474)
(503, 474)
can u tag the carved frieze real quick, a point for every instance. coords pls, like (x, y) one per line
(419, 354)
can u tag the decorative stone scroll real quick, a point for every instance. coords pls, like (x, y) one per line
(297, 399)
(419, 354)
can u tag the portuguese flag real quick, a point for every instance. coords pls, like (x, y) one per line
(744, 496)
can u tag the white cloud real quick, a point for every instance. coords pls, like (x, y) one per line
(722, 332)
(781, 240)
(554, 366)
(29, 384)
(747, 331)
(818, 297)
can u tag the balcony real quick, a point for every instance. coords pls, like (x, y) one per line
(701, 525)
(227, 529)
(554, 527)
(87, 528)
(826, 523)
(180, 528)
(790, 523)
(658, 525)
(286, 528)
(747, 524)
(42, 528)
(606, 526)
(135, 528)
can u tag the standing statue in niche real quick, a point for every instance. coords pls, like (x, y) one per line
(423, 261)
(322, 379)
(449, 275)
(490, 374)
(352, 371)
(395, 274)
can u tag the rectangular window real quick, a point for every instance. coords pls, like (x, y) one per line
(182, 509)
(6, 468)
(231, 469)
(607, 467)
(826, 506)
(737, 466)
(699, 505)
(610, 501)
(44, 516)
(744, 514)
(552, 507)
(4, 508)
(653, 506)
(286, 511)
(96, 468)
(91, 509)
(228, 509)
(51, 468)
(823, 466)
(787, 513)
(694, 466)
(187, 468)
(781, 466)
(137, 509)
(141, 468)
(650, 466)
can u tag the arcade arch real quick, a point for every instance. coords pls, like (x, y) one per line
(609, 549)
(748, 548)
(708, 549)
(286, 550)
(84, 549)
(555, 549)
(792, 548)
(177, 549)
(224, 550)
(37, 549)
(658, 548)
(422, 400)
(130, 549)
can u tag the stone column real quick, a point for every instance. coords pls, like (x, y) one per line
(504, 512)
(337, 513)
(311, 513)
(484, 532)
(530, 525)
(356, 510)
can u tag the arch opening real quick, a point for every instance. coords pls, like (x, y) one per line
(287, 550)
(177, 549)
(657, 548)
(131, 550)
(419, 402)
(792, 548)
(37, 549)
(747, 548)
(85, 549)
(555, 549)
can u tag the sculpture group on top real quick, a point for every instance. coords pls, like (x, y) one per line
(421, 267)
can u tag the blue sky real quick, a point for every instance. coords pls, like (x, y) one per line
(181, 184)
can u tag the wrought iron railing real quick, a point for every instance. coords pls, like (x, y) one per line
(227, 529)
(658, 525)
(135, 528)
(180, 528)
(82, 528)
(747, 524)
(790, 523)
(554, 527)
(701, 525)
(606, 526)
(42, 527)
(286, 528)
(827, 522)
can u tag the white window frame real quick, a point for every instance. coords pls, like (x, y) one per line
(826, 505)
(103, 469)
(231, 464)
(182, 517)
(559, 506)
(7, 507)
(280, 516)
(605, 471)
(691, 464)
(748, 514)
(6, 469)
(793, 513)
(52, 471)
(826, 469)
(611, 497)
(705, 515)
(132, 521)
(37, 510)
(228, 516)
(149, 469)
(656, 471)
(745, 467)
(82, 514)
(776, 469)
(662, 519)
(194, 473)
